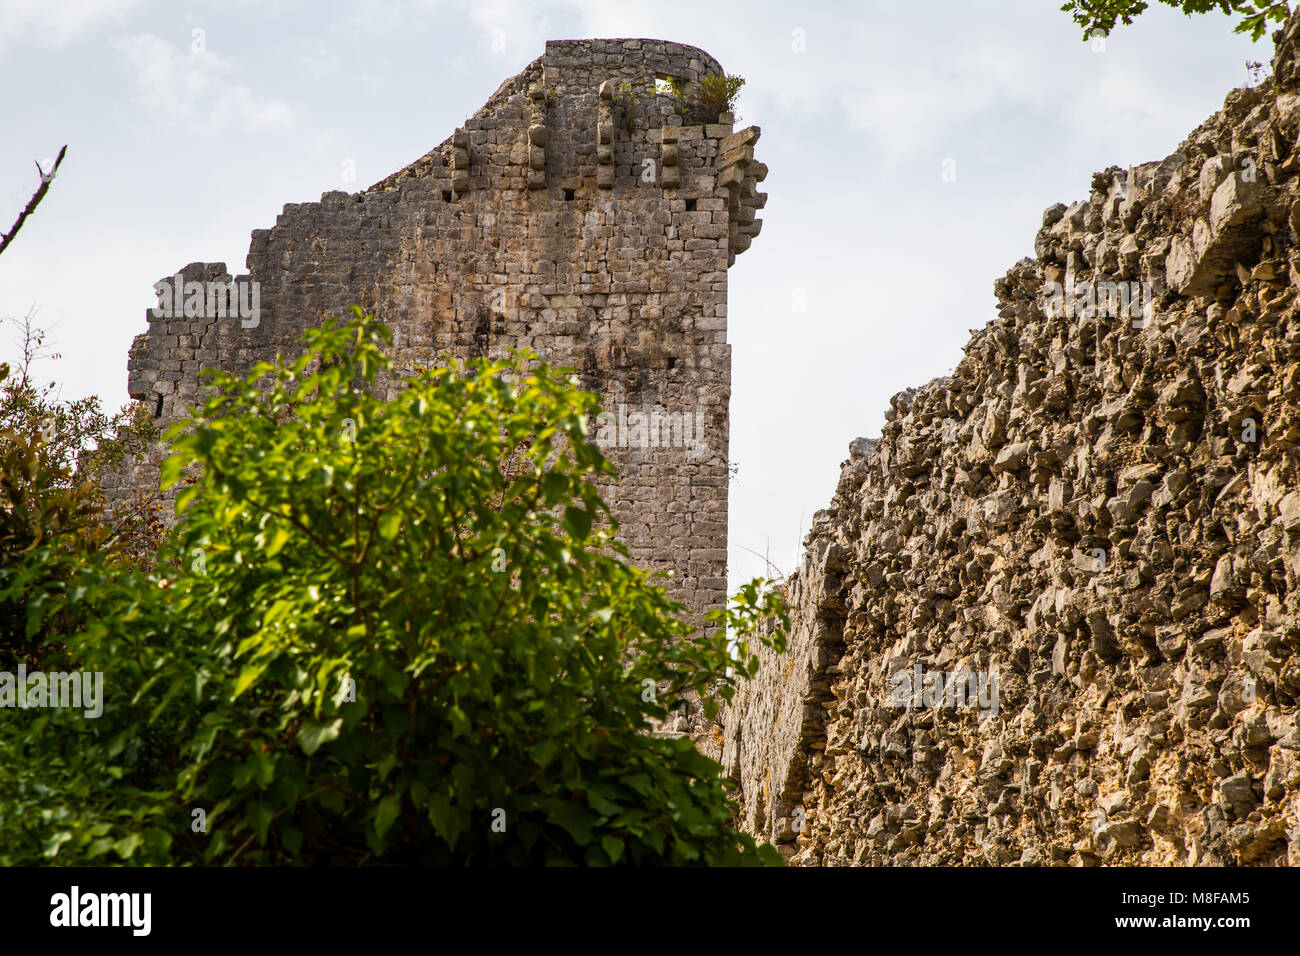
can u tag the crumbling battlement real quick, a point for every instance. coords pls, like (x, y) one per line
(577, 214)
(1101, 507)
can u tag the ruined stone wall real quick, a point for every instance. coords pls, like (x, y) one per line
(1101, 507)
(577, 214)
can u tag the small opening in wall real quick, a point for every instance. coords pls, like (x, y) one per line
(446, 195)
(568, 195)
(663, 85)
(690, 205)
(672, 362)
(157, 405)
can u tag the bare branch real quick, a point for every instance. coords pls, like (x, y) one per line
(46, 179)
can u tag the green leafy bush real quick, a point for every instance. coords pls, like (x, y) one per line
(51, 511)
(52, 453)
(49, 524)
(717, 94)
(387, 632)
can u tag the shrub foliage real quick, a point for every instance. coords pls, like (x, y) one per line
(384, 631)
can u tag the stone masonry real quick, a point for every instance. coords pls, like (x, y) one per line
(580, 213)
(1100, 508)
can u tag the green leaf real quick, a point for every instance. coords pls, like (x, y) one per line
(127, 845)
(554, 485)
(263, 768)
(544, 752)
(247, 675)
(276, 539)
(172, 470)
(185, 497)
(446, 821)
(390, 522)
(387, 811)
(313, 734)
(261, 816)
(578, 522)
(613, 846)
(50, 847)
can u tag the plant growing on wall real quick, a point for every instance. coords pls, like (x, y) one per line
(715, 94)
(718, 94)
(627, 107)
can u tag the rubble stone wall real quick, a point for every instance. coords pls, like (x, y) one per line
(1100, 509)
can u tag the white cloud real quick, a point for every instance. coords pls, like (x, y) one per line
(512, 27)
(196, 88)
(55, 24)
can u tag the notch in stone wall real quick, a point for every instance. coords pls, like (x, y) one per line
(537, 137)
(605, 136)
(460, 161)
(670, 171)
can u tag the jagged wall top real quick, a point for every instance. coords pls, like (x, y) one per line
(1101, 508)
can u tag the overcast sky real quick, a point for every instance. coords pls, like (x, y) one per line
(189, 124)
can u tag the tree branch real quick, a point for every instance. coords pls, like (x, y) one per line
(46, 179)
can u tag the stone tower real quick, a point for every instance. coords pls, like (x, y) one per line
(585, 212)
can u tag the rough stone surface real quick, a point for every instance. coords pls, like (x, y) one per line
(574, 214)
(1103, 512)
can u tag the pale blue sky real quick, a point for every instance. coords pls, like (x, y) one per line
(178, 149)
